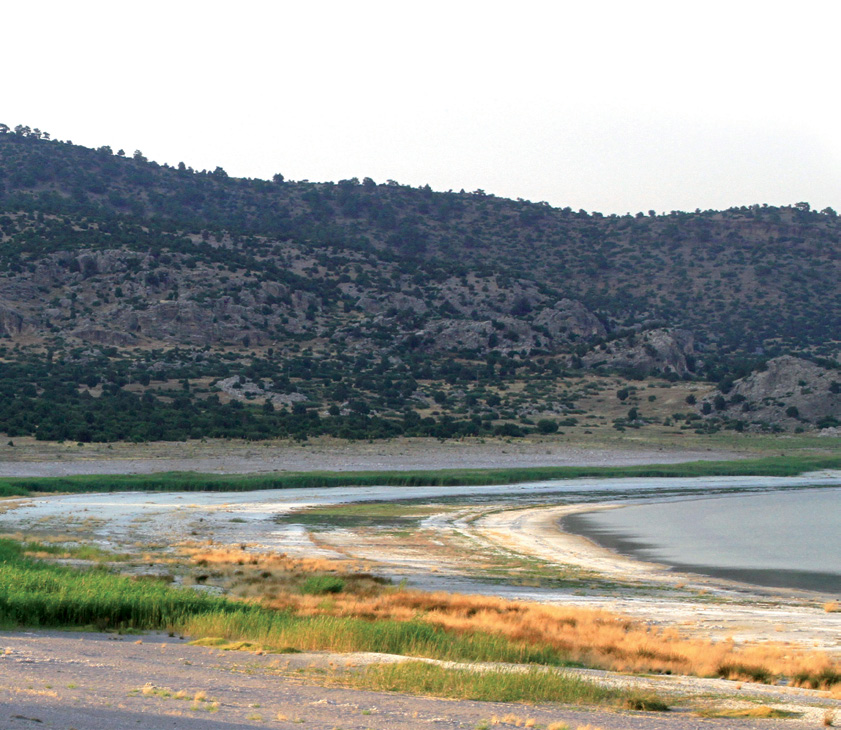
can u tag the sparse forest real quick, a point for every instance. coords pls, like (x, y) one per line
(141, 301)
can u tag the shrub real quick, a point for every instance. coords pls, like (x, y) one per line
(320, 584)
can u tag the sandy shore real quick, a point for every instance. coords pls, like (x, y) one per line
(720, 609)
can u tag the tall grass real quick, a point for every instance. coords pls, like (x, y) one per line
(38, 594)
(281, 631)
(534, 685)
(580, 635)
(191, 481)
(33, 593)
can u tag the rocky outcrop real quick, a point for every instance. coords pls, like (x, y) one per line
(464, 334)
(788, 391)
(393, 301)
(103, 336)
(11, 321)
(570, 319)
(243, 389)
(662, 351)
(188, 322)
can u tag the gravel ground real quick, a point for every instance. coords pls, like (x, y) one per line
(32, 459)
(96, 682)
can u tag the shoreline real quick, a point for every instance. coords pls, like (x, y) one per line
(437, 556)
(633, 546)
(542, 533)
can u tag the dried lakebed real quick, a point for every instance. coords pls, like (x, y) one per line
(497, 540)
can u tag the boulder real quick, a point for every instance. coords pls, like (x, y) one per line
(12, 322)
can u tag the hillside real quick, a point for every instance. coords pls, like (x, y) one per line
(144, 301)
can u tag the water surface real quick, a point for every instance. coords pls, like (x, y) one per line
(788, 539)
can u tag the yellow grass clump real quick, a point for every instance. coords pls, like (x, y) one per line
(206, 555)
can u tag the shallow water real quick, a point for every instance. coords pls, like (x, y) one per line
(788, 539)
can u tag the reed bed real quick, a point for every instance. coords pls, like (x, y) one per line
(33, 593)
(280, 631)
(191, 481)
(566, 634)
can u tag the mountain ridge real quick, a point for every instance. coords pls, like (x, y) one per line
(106, 251)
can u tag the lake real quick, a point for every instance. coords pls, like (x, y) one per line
(788, 539)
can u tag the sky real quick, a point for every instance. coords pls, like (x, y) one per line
(607, 106)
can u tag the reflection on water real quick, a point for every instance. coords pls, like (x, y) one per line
(786, 539)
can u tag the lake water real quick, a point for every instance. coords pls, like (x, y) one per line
(786, 538)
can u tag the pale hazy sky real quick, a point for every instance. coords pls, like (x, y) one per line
(608, 106)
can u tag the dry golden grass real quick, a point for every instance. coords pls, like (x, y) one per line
(205, 554)
(593, 637)
(261, 576)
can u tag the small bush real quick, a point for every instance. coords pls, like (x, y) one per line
(645, 704)
(317, 585)
(745, 672)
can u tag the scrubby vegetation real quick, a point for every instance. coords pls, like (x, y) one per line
(532, 686)
(144, 302)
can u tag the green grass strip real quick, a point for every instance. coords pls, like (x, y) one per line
(33, 593)
(494, 685)
(39, 594)
(279, 631)
(191, 481)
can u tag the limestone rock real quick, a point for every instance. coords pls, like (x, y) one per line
(665, 351)
(789, 392)
(570, 319)
(244, 389)
(391, 301)
(104, 336)
(11, 321)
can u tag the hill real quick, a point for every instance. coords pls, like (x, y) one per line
(145, 301)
